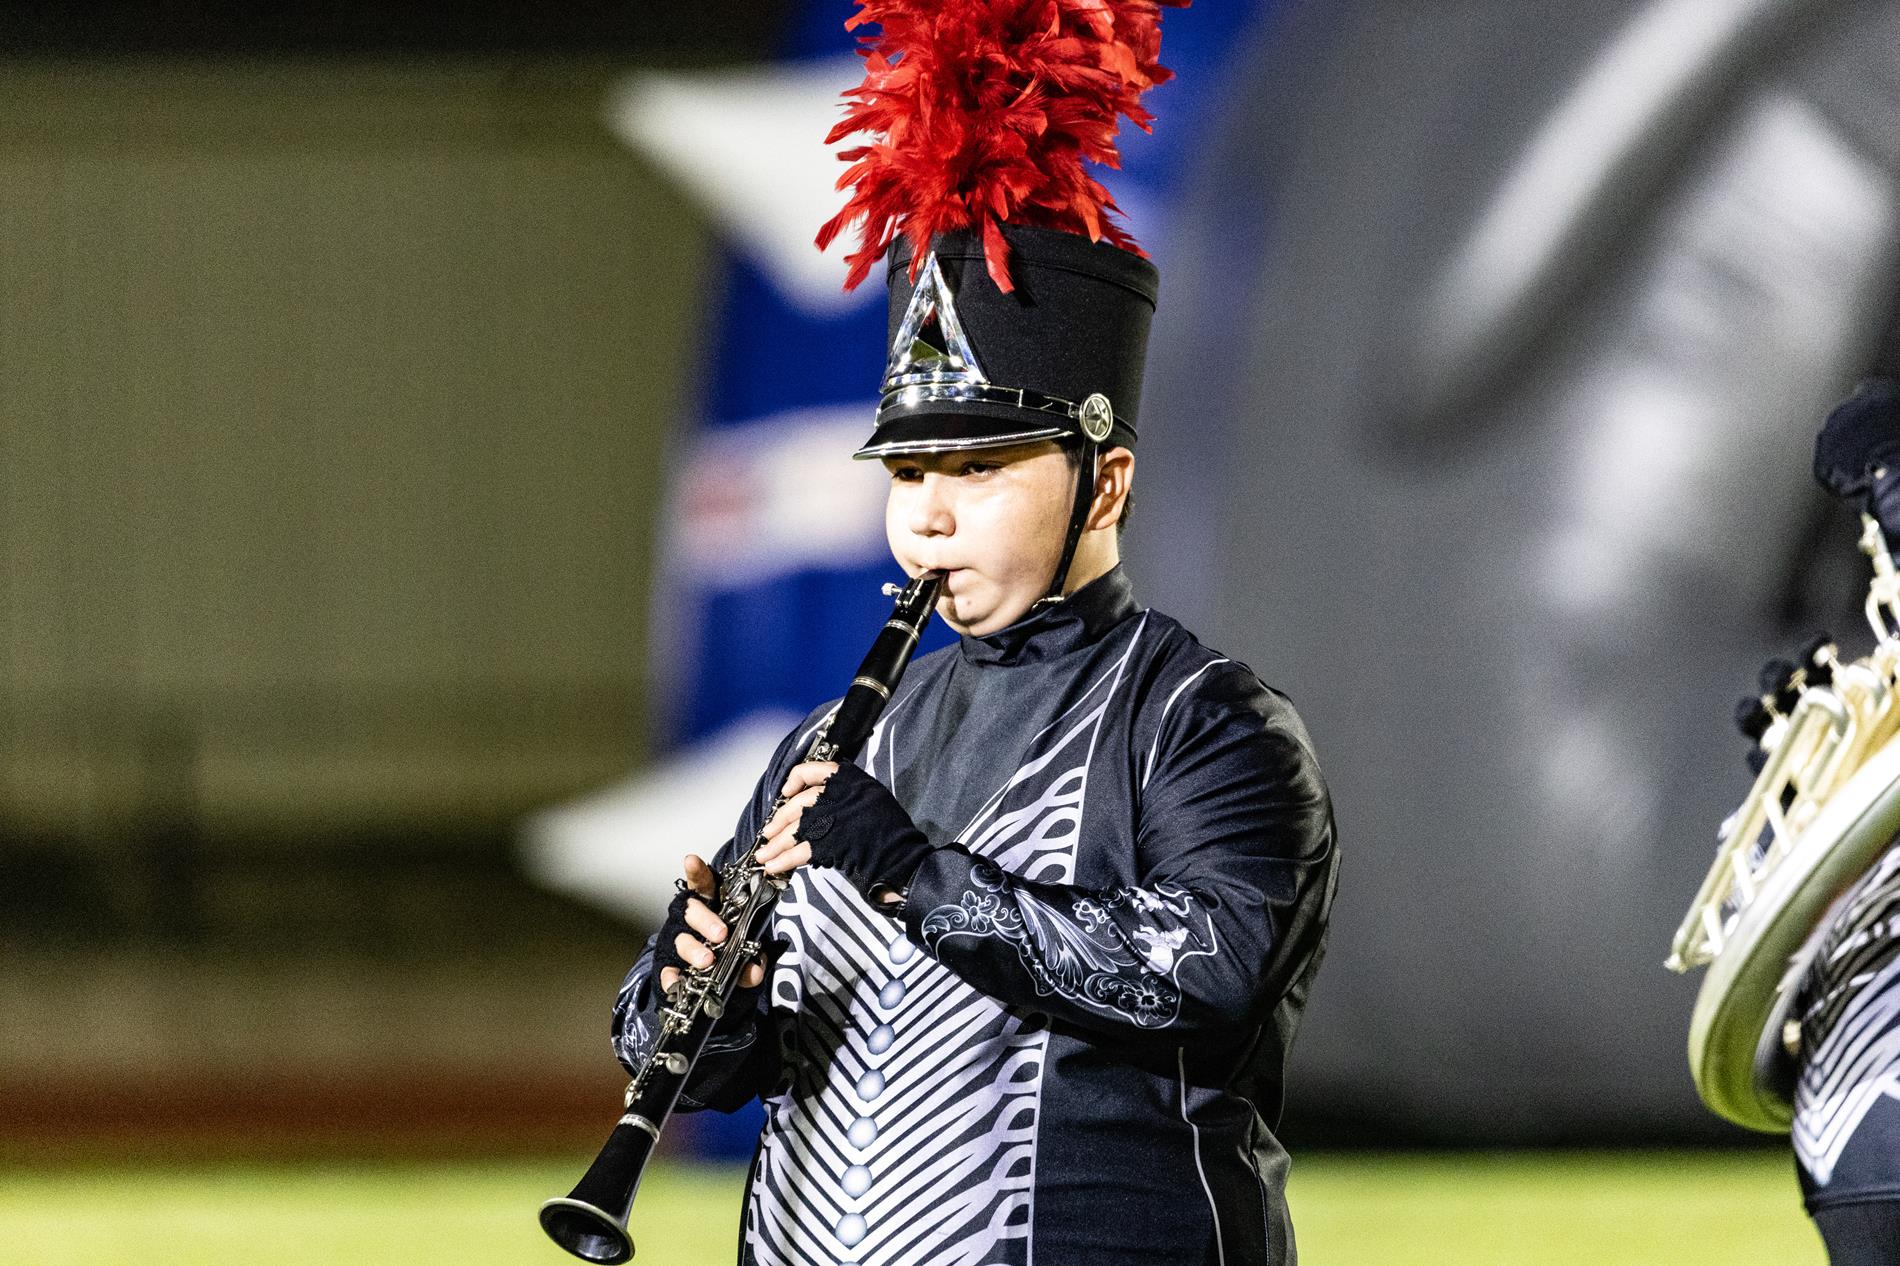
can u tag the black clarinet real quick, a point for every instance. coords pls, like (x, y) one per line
(591, 1220)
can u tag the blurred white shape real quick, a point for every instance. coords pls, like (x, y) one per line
(775, 495)
(1630, 502)
(1685, 434)
(1747, 323)
(620, 848)
(1615, 136)
(749, 145)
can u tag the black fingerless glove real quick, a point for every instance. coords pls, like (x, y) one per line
(666, 948)
(666, 954)
(858, 827)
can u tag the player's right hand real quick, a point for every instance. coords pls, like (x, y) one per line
(697, 928)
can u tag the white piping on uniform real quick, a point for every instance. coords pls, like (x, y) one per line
(1220, 1247)
(1162, 719)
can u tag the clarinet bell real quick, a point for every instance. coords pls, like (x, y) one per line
(591, 1221)
(589, 1233)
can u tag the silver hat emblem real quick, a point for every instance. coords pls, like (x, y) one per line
(931, 346)
(1097, 417)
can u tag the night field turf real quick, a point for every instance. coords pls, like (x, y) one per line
(1600, 1209)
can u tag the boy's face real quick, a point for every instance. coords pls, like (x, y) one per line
(991, 519)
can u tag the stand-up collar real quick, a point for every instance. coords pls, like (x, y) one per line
(1078, 620)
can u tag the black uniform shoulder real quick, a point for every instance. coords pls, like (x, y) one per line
(1196, 695)
(1185, 672)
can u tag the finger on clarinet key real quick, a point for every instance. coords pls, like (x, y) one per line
(751, 978)
(693, 950)
(776, 822)
(812, 773)
(787, 812)
(779, 835)
(789, 858)
(702, 920)
(790, 812)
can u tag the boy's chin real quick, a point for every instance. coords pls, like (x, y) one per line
(947, 612)
(991, 620)
(958, 616)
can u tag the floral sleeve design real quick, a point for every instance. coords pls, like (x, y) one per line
(1118, 952)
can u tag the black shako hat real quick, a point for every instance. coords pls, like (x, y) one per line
(1059, 357)
(1027, 316)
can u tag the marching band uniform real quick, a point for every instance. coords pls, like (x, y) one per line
(1846, 1128)
(1113, 847)
(1847, 1096)
(1070, 1046)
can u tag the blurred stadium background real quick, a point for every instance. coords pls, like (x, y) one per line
(422, 490)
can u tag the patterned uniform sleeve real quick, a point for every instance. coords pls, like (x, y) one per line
(1234, 838)
(741, 1058)
(1846, 1121)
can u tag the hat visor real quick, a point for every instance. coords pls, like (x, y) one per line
(960, 427)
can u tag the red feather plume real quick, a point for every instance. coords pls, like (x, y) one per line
(981, 113)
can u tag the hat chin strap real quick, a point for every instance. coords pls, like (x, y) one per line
(1086, 472)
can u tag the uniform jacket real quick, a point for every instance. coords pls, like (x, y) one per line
(1069, 1044)
(1847, 1097)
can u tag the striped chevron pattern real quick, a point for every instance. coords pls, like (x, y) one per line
(1850, 1025)
(889, 1148)
(907, 1131)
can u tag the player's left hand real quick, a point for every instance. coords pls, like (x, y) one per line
(783, 852)
(840, 816)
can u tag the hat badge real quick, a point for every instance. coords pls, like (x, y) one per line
(916, 356)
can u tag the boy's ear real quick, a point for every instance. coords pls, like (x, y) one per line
(1114, 477)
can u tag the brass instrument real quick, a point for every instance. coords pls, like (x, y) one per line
(591, 1220)
(1824, 807)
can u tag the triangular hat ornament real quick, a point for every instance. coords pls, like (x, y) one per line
(931, 346)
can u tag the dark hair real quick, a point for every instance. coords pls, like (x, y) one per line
(1074, 453)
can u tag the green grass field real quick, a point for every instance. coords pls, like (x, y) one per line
(1591, 1209)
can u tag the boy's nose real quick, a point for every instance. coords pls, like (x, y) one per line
(930, 513)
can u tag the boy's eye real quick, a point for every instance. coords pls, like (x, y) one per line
(980, 468)
(906, 474)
